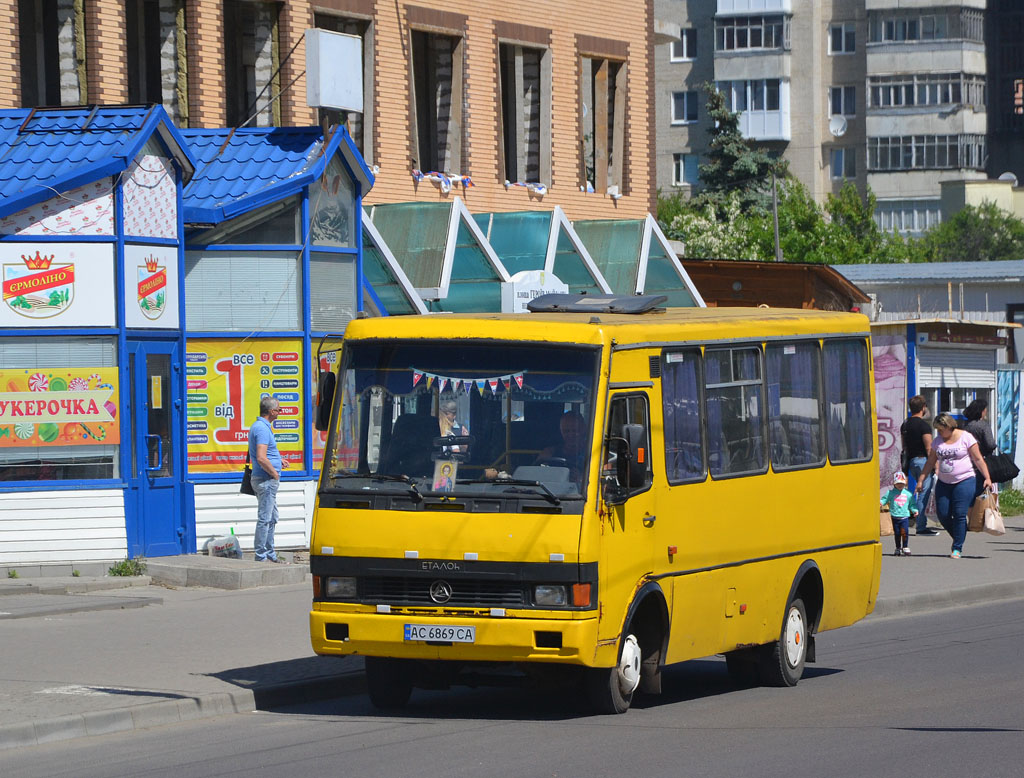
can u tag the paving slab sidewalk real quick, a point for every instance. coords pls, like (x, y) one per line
(156, 655)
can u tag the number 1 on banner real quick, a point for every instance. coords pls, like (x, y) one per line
(233, 409)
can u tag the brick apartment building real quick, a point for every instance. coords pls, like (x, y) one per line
(493, 92)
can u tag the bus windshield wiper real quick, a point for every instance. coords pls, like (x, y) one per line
(402, 479)
(546, 493)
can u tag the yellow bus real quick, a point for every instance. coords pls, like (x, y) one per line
(593, 491)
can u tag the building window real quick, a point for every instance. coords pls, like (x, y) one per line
(756, 95)
(54, 449)
(910, 217)
(842, 38)
(927, 89)
(357, 123)
(251, 81)
(927, 152)
(603, 123)
(844, 163)
(738, 33)
(525, 75)
(684, 107)
(685, 47)
(49, 36)
(685, 170)
(151, 53)
(269, 281)
(901, 27)
(437, 101)
(843, 101)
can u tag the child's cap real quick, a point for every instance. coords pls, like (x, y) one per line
(898, 478)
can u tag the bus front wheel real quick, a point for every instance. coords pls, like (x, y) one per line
(783, 662)
(388, 682)
(611, 688)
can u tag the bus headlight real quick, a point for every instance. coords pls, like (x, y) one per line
(548, 594)
(340, 587)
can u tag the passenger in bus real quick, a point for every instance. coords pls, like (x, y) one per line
(952, 459)
(571, 452)
(899, 501)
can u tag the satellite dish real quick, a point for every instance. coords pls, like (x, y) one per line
(837, 126)
(1008, 176)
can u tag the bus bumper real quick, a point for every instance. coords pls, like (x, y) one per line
(497, 639)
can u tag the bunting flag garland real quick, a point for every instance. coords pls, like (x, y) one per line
(494, 383)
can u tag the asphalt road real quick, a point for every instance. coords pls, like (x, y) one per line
(938, 695)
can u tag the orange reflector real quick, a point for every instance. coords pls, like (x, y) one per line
(797, 638)
(743, 609)
(581, 595)
(672, 550)
(640, 456)
(316, 587)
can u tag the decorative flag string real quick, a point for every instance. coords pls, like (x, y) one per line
(494, 383)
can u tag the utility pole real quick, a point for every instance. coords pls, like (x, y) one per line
(775, 219)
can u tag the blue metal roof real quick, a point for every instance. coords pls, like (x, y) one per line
(44, 151)
(933, 271)
(243, 169)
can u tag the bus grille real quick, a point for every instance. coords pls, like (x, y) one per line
(396, 590)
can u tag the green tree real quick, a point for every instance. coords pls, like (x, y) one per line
(733, 164)
(715, 232)
(984, 232)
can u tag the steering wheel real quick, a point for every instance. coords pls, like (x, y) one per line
(553, 462)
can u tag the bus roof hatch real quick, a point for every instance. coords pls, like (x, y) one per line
(596, 303)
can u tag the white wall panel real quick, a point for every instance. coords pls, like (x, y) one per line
(62, 526)
(220, 508)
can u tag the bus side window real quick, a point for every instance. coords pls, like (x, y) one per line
(734, 395)
(681, 381)
(847, 401)
(626, 414)
(795, 429)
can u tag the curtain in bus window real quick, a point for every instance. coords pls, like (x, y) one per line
(684, 455)
(847, 396)
(795, 429)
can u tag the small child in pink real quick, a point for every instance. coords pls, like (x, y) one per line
(902, 507)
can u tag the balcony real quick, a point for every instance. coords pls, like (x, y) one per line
(746, 7)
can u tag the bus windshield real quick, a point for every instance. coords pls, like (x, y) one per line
(471, 420)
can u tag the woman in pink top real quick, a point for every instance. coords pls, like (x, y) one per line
(954, 460)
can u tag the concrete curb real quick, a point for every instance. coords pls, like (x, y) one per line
(71, 585)
(910, 604)
(159, 714)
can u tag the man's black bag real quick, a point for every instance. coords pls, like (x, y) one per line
(246, 487)
(1001, 468)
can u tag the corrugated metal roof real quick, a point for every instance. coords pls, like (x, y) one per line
(243, 169)
(45, 151)
(934, 271)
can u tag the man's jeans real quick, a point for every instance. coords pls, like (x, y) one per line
(916, 465)
(266, 518)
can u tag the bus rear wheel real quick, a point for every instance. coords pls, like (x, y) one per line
(610, 689)
(389, 682)
(783, 662)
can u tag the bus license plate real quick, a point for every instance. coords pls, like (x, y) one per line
(440, 634)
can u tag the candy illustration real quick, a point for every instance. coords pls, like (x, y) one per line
(58, 384)
(78, 385)
(48, 432)
(38, 382)
(24, 430)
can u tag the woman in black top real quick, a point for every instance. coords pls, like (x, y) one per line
(977, 424)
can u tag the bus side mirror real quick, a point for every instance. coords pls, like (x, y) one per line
(632, 468)
(324, 401)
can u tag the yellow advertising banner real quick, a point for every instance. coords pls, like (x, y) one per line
(224, 381)
(59, 407)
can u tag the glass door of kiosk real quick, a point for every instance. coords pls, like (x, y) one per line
(154, 502)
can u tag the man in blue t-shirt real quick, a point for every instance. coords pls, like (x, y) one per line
(266, 477)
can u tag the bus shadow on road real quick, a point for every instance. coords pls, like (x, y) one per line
(688, 681)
